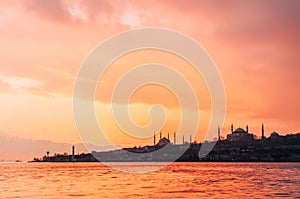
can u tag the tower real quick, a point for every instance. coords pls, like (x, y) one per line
(154, 139)
(183, 139)
(73, 152)
(262, 132)
(247, 129)
(159, 135)
(190, 139)
(231, 128)
(174, 138)
(168, 136)
(219, 134)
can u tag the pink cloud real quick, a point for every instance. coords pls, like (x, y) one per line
(53, 10)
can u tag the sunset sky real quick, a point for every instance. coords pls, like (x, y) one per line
(255, 45)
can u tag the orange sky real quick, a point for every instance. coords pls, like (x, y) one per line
(255, 45)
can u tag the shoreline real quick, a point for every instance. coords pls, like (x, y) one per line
(155, 162)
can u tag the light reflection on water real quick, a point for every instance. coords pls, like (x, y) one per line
(178, 180)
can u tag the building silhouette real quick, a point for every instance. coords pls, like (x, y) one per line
(240, 145)
(239, 134)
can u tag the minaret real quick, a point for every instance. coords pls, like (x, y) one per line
(219, 134)
(73, 152)
(159, 135)
(231, 128)
(174, 138)
(247, 130)
(262, 132)
(190, 139)
(154, 139)
(183, 139)
(168, 136)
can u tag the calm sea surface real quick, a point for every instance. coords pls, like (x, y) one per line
(178, 180)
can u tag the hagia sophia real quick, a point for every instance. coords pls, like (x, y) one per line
(240, 133)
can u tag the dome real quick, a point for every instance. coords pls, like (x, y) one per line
(163, 142)
(274, 134)
(239, 130)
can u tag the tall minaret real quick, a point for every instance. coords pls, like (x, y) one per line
(73, 152)
(262, 132)
(183, 139)
(168, 136)
(174, 138)
(231, 128)
(154, 139)
(247, 130)
(219, 133)
(190, 139)
(159, 135)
